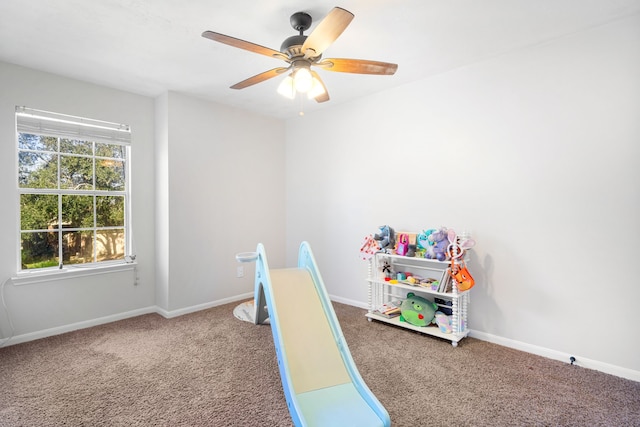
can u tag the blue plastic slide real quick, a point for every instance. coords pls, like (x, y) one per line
(321, 382)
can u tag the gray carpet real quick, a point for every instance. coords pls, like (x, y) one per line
(211, 369)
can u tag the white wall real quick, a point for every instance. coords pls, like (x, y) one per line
(162, 201)
(535, 153)
(225, 176)
(209, 185)
(46, 306)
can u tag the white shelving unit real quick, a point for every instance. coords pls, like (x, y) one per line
(382, 292)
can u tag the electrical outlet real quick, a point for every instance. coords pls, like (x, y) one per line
(240, 272)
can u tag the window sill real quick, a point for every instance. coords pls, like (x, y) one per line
(69, 272)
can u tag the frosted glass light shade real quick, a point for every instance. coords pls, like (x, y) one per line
(286, 88)
(289, 87)
(317, 89)
(302, 80)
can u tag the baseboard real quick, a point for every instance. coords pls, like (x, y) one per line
(347, 301)
(31, 336)
(192, 309)
(557, 355)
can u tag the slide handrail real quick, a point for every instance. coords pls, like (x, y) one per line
(307, 261)
(263, 300)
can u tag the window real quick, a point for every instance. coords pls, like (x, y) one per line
(73, 185)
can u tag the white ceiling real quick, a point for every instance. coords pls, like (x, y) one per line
(152, 46)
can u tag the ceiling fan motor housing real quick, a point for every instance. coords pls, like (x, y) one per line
(291, 46)
(301, 22)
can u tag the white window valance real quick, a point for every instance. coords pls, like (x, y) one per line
(38, 122)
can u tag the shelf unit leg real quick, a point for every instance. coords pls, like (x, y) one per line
(455, 315)
(370, 276)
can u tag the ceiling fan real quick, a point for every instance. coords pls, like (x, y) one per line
(302, 52)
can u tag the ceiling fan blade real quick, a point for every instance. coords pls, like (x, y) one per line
(326, 32)
(242, 44)
(323, 97)
(357, 66)
(258, 78)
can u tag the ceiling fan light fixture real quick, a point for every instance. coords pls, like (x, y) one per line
(287, 88)
(317, 89)
(302, 79)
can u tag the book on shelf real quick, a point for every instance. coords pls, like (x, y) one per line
(445, 283)
(389, 309)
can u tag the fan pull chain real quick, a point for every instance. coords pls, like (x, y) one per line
(301, 96)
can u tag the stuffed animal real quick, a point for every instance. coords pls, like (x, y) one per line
(438, 242)
(423, 239)
(422, 243)
(458, 244)
(386, 268)
(444, 322)
(386, 238)
(417, 310)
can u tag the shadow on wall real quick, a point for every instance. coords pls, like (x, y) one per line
(484, 293)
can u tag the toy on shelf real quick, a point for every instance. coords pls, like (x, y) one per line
(406, 244)
(455, 251)
(443, 321)
(458, 244)
(423, 239)
(422, 243)
(386, 238)
(417, 311)
(386, 269)
(403, 244)
(437, 244)
(368, 248)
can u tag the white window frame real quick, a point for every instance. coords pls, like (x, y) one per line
(45, 123)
